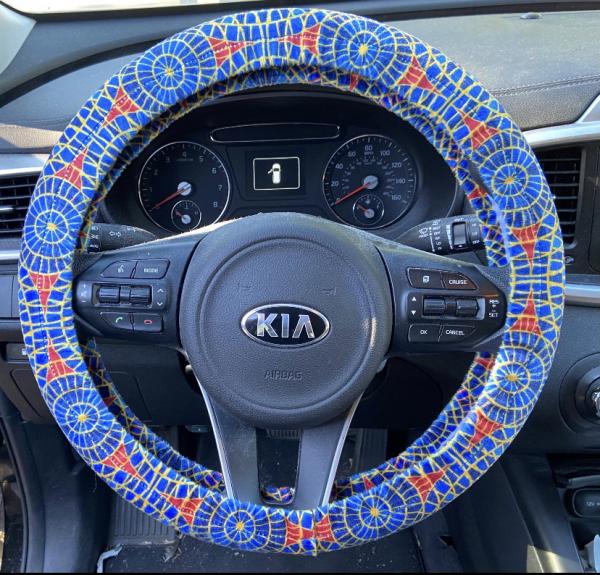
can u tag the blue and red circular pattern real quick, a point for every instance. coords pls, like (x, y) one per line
(464, 123)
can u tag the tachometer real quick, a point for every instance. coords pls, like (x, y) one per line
(183, 185)
(370, 181)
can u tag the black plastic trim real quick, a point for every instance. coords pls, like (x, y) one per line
(513, 520)
(533, 485)
(34, 528)
(61, 497)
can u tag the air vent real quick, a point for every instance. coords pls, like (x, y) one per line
(15, 193)
(562, 167)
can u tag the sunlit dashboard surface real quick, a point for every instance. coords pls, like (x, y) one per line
(322, 153)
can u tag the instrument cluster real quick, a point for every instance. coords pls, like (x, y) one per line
(314, 152)
(184, 185)
(370, 181)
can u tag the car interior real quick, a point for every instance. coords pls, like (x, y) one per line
(299, 286)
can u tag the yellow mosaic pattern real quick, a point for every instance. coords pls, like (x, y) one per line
(462, 121)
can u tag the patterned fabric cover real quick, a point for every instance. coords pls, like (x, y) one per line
(411, 79)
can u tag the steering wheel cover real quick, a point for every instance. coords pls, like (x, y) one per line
(461, 120)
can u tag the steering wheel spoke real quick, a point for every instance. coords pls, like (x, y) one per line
(238, 452)
(319, 453)
(444, 304)
(318, 458)
(132, 293)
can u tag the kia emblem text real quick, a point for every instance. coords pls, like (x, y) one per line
(285, 324)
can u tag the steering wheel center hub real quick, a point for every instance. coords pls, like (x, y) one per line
(285, 318)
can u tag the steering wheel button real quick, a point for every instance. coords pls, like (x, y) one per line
(124, 294)
(434, 306)
(454, 333)
(420, 278)
(108, 294)
(116, 320)
(159, 299)
(454, 280)
(424, 333)
(147, 322)
(140, 295)
(494, 307)
(119, 270)
(466, 308)
(151, 269)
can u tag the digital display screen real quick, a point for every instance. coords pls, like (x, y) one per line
(276, 174)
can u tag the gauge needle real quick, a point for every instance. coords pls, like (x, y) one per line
(369, 183)
(350, 194)
(184, 188)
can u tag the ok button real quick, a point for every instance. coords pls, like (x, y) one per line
(424, 333)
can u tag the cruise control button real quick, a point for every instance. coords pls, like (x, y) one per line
(494, 307)
(424, 333)
(147, 322)
(420, 278)
(117, 320)
(151, 269)
(119, 270)
(457, 281)
(466, 308)
(454, 333)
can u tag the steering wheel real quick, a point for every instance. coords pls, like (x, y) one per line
(286, 318)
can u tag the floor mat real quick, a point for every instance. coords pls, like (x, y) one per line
(398, 553)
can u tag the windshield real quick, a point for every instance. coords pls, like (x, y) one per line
(58, 6)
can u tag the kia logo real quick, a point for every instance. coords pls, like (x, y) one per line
(285, 324)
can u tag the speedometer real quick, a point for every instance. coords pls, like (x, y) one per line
(184, 185)
(370, 181)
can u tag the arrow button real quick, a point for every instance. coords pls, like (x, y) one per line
(160, 297)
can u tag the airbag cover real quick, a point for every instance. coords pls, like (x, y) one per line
(272, 262)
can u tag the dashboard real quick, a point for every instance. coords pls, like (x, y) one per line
(310, 151)
(333, 155)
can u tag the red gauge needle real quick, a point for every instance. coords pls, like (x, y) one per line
(369, 183)
(350, 194)
(182, 188)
